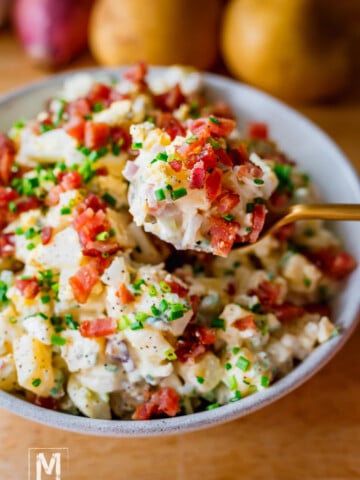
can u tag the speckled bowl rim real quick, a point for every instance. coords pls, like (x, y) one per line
(311, 365)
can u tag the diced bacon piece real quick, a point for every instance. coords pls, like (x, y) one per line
(258, 221)
(102, 172)
(124, 295)
(221, 127)
(92, 201)
(89, 224)
(170, 100)
(178, 289)
(78, 108)
(7, 195)
(221, 109)
(29, 287)
(164, 401)
(245, 323)
(7, 247)
(176, 165)
(7, 155)
(83, 282)
(96, 135)
(223, 235)
(279, 199)
(322, 309)
(136, 73)
(26, 204)
(239, 155)
(120, 136)
(70, 180)
(100, 327)
(336, 265)
(267, 293)
(223, 157)
(284, 233)
(76, 128)
(53, 197)
(94, 248)
(170, 124)
(50, 403)
(287, 311)
(199, 127)
(197, 176)
(46, 235)
(227, 201)
(207, 155)
(258, 131)
(213, 184)
(99, 93)
(195, 341)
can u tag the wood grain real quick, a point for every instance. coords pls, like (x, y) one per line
(313, 433)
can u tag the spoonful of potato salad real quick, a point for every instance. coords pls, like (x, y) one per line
(208, 190)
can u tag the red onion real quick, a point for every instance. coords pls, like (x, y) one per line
(52, 32)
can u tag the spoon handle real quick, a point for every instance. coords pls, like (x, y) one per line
(334, 211)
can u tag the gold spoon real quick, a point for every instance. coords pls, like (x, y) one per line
(277, 217)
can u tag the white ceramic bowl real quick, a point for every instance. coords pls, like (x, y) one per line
(317, 155)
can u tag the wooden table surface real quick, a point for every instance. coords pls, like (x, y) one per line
(313, 433)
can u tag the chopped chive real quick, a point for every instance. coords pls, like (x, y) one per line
(136, 326)
(57, 340)
(36, 382)
(214, 120)
(116, 149)
(250, 207)
(3, 291)
(191, 139)
(264, 381)
(212, 406)
(86, 151)
(155, 311)
(163, 305)
(141, 316)
(259, 201)
(19, 231)
(218, 323)
(236, 350)
(30, 246)
(88, 117)
(45, 127)
(65, 210)
(236, 397)
(216, 145)
(109, 199)
(178, 193)
(30, 233)
(159, 194)
(200, 380)
(18, 125)
(175, 315)
(70, 322)
(169, 187)
(59, 329)
(164, 287)
(96, 154)
(124, 322)
(112, 232)
(228, 366)
(232, 383)
(307, 282)
(228, 217)
(258, 181)
(43, 316)
(243, 363)
(152, 291)
(170, 354)
(12, 320)
(45, 299)
(136, 145)
(97, 107)
(309, 232)
(162, 157)
(12, 206)
(59, 114)
(137, 285)
(256, 308)
(103, 236)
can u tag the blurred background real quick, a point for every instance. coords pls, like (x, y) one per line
(303, 51)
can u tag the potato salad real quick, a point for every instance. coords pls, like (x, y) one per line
(121, 292)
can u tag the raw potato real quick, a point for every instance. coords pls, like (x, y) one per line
(160, 32)
(291, 49)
